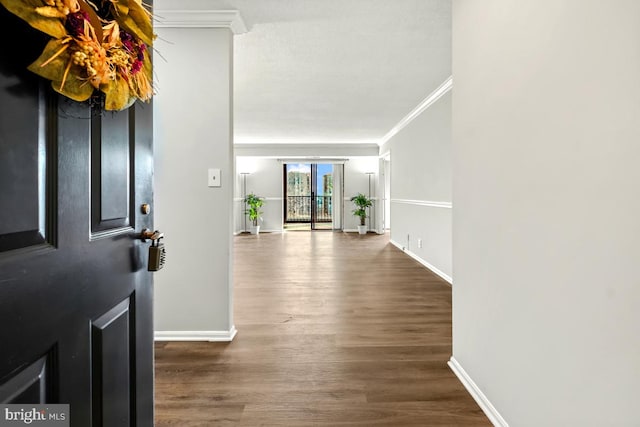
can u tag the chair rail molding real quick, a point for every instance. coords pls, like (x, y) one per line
(430, 203)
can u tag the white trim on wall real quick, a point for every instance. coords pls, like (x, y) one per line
(211, 336)
(430, 266)
(230, 19)
(490, 411)
(348, 199)
(316, 160)
(430, 203)
(275, 230)
(315, 145)
(426, 103)
(240, 199)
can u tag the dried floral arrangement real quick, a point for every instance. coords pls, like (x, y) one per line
(101, 45)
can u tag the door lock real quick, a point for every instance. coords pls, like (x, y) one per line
(157, 251)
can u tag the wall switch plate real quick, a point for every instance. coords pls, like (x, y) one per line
(419, 242)
(214, 178)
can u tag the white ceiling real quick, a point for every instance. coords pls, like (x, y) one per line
(334, 71)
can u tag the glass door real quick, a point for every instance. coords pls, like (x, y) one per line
(308, 203)
(322, 193)
(297, 200)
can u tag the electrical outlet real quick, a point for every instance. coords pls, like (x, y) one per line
(419, 243)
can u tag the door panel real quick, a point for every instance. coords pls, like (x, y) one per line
(25, 169)
(111, 366)
(75, 296)
(30, 385)
(111, 153)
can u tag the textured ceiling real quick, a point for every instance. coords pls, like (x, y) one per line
(334, 71)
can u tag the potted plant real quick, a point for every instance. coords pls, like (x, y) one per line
(362, 202)
(254, 203)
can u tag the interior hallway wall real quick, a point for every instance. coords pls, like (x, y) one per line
(546, 102)
(420, 181)
(193, 132)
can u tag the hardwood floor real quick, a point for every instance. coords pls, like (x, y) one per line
(334, 329)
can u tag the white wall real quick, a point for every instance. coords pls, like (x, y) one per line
(421, 186)
(356, 181)
(266, 178)
(546, 102)
(192, 131)
(307, 150)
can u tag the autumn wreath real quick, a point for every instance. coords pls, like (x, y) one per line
(101, 45)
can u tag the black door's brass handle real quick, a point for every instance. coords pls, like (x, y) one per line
(151, 235)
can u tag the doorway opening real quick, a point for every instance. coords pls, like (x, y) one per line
(311, 197)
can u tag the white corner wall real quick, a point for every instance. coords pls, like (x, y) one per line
(264, 180)
(356, 180)
(546, 132)
(421, 187)
(193, 132)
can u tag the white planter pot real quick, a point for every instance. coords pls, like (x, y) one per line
(254, 229)
(362, 229)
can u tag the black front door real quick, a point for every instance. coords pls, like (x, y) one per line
(75, 296)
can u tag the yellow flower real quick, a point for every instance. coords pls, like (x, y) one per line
(87, 51)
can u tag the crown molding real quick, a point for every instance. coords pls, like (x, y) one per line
(426, 103)
(200, 19)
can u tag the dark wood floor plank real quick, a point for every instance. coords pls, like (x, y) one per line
(334, 329)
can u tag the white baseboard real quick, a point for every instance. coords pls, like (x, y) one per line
(211, 336)
(277, 230)
(490, 411)
(431, 267)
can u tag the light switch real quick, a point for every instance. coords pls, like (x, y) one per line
(214, 178)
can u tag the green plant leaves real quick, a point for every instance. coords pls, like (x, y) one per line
(254, 204)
